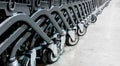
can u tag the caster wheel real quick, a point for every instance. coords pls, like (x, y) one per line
(11, 5)
(70, 42)
(82, 31)
(49, 57)
(93, 19)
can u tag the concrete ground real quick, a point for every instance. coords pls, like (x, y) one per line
(101, 45)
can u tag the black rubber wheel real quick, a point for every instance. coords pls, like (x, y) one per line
(11, 5)
(49, 57)
(82, 32)
(70, 42)
(93, 19)
(52, 58)
(37, 3)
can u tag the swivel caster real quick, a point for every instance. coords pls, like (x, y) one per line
(93, 19)
(82, 30)
(71, 42)
(48, 57)
(51, 53)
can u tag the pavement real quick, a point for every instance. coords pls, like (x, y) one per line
(101, 45)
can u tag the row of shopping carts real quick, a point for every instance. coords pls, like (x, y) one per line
(37, 31)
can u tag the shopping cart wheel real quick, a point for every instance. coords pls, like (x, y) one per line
(82, 32)
(70, 42)
(11, 5)
(93, 19)
(49, 57)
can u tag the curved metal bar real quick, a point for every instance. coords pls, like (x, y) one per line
(25, 19)
(19, 43)
(12, 38)
(47, 14)
(83, 10)
(58, 10)
(90, 6)
(65, 7)
(73, 8)
(87, 7)
(80, 11)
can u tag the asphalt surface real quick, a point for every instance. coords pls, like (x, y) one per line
(100, 46)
